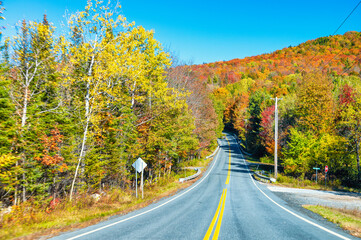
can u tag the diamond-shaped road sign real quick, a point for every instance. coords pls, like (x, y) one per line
(139, 165)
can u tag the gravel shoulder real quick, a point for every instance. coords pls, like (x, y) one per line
(317, 197)
(296, 197)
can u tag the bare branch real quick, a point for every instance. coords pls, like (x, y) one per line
(50, 110)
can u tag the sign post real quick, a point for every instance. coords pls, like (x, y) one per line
(316, 168)
(141, 184)
(139, 166)
(326, 170)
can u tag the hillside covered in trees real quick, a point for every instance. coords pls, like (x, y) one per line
(320, 111)
(77, 110)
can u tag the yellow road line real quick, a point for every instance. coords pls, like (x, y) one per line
(210, 229)
(229, 163)
(220, 208)
(219, 222)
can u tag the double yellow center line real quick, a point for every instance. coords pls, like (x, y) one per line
(220, 209)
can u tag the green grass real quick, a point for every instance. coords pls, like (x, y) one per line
(287, 181)
(186, 173)
(300, 183)
(34, 222)
(347, 219)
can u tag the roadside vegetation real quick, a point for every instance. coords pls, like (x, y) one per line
(311, 184)
(319, 82)
(266, 169)
(349, 220)
(76, 110)
(35, 219)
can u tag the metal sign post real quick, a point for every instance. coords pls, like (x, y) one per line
(141, 184)
(139, 166)
(316, 168)
(136, 184)
(326, 170)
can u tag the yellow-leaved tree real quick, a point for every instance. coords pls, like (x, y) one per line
(115, 71)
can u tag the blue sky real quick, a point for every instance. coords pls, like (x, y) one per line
(207, 31)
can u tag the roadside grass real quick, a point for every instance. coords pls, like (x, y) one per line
(32, 221)
(347, 219)
(287, 181)
(282, 180)
(303, 183)
(183, 173)
(195, 162)
(266, 167)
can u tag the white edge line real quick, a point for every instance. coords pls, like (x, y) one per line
(289, 211)
(150, 210)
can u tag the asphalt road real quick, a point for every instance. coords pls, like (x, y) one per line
(226, 203)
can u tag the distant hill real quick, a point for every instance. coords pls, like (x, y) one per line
(319, 115)
(337, 55)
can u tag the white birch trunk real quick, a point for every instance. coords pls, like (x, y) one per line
(25, 107)
(133, 94)
(88, 112)
(85, 134)
(23, 122)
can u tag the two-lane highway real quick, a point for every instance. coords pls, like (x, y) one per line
(226, 203)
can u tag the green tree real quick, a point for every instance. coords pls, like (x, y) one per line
(351, 122)
(7, 111)
(33, 60)
(257, 101)
(298, 153)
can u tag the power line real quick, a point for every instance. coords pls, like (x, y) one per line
(336, 31)
(346, 18)
(324, 65)
(349, 68)
(332, 35)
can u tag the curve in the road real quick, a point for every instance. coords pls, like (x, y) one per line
(150, 210)
(241, 209)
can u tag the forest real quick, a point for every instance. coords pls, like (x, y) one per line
(319, 114)
(76, 110)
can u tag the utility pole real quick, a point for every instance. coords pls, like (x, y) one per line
(276, 133)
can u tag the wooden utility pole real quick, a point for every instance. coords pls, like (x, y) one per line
(276, 134)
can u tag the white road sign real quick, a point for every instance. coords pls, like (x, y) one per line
(139, 165)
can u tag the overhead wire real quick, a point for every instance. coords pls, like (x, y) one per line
(346, 18)
(347, 69)
(343, 22)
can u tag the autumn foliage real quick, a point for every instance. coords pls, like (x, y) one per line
(319, 83)
(77, 110)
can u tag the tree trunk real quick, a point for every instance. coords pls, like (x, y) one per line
(25, 107)
(24, 188)
(16, 188)
(358, 159)
(23, 122)
(54, 187)
(133, 95)
(87, 117)
(85, 134)
(80, 158)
